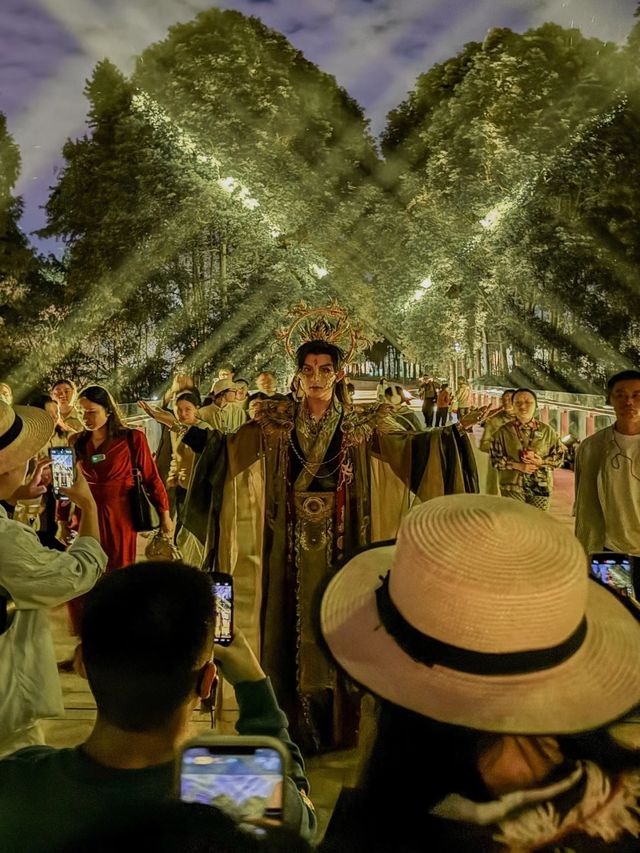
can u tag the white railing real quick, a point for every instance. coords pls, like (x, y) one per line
(566, 417)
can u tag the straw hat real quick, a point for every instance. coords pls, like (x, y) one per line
(487, 620)
(23, 432)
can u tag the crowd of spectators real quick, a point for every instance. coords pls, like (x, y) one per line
(505, 679)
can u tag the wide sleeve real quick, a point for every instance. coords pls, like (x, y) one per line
(149, 471)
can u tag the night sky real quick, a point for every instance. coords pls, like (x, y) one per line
(375, 49)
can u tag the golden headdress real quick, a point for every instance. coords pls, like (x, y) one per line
(330, 324)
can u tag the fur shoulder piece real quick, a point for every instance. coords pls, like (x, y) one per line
(360, 422)
(274, 417)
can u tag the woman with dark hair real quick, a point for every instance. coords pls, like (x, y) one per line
(108, 451)
(525, 451)
(185, 408)
(499, 671)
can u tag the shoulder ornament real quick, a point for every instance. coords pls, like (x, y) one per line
(360, 422)
(275, 417)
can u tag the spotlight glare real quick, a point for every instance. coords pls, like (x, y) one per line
(319, 271)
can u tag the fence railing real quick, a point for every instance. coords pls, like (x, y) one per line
(579, 419)
(135, 417)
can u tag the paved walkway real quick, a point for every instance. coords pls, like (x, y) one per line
(328, 773)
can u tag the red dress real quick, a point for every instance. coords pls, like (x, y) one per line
(110, 481)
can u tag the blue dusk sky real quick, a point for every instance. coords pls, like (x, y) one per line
(375, 49)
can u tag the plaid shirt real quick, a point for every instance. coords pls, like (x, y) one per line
(512, 439)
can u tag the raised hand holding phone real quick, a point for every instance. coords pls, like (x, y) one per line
(63, 469)
(222, 585)
(237, 661)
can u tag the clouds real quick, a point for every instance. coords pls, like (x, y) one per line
(374, 48)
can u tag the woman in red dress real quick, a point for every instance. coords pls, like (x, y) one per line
(103, 452)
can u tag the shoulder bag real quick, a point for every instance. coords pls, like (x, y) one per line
(143, 513)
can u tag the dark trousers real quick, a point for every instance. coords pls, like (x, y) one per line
(428, 408)
(442, 415)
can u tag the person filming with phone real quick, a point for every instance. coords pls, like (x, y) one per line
(34, 578)
(146, 648)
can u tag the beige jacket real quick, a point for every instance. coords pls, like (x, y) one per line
(595, 451)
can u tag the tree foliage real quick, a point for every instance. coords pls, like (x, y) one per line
(228, 177)
(511, 160)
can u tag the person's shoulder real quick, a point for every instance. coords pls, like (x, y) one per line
(601, 435)
(32, 760)
(594, 443)
(273, 414)
(503, 428)
(547, 429)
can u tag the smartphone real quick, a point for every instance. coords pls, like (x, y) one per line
(222, 585)
(243, 776)
(63, 469)
(615, 570)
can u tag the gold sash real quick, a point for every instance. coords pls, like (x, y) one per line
(314, 531)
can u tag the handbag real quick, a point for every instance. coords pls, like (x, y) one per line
(143, 513)
(161, 548)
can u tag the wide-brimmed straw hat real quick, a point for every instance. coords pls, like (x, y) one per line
(482, 615)
(23, 432)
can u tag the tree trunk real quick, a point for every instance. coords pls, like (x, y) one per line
(222, 277)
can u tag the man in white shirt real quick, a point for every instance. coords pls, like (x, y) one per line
(223, 414)
(34, 578)
(607, 470)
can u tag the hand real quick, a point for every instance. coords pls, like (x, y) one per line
(493, 411)
(475, 416)
(166, 525)
(34, 488)
(79, 492)
(526, 467)
(237, 662)
(530, 457)
(157, 414)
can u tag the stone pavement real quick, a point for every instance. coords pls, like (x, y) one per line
(328, 773)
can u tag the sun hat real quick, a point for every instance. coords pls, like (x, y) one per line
(223, 385)
(482, 615)
(23, 432)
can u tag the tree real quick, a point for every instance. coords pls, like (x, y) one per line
(488, 131)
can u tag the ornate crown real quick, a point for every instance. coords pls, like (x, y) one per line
(330, 324)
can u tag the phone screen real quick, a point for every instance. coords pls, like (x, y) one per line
(615, 571)
(62, 469)
(223, 597)
(245, 781)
